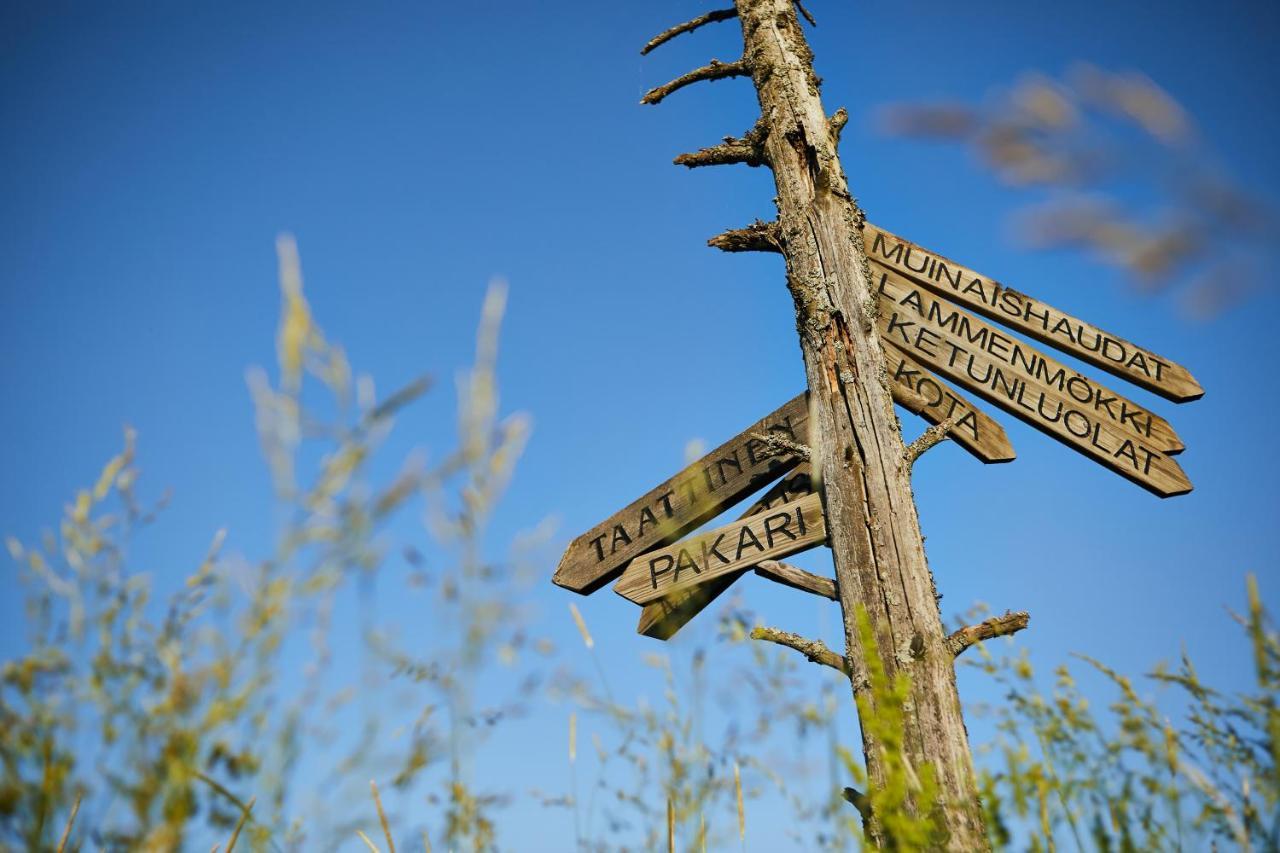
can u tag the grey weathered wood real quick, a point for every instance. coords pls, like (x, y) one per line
(916, 390)
(857, 449)
(921, 393)
(1032, 317)
(797, 578)
(696, 494)
(953, 333)
(779, 532)
(661, 619)
(913, 319)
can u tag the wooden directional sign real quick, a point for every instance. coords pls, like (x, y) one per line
(695, 495)
(915, 389)
(1030, 386)
(964, 332)
(784, 530)
(745, 463)
(920, 392)
(1029, 315)
(662, 618)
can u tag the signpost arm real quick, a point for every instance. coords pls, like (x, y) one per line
(857, 448)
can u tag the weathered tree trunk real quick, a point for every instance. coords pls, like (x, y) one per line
(857, 446)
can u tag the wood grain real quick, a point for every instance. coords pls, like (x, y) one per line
(921, 393)
(695, 495)
(916, 390)
(661, 619)
(916, 321)
(797, 578)
(963, 333)
(1031, 316)
(782, 531)
(743, 464)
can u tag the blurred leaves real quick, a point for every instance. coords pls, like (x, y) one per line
(1122, 172)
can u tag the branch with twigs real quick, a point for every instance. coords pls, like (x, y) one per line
(815, 650)
(988, 629)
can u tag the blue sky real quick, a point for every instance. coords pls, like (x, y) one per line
(152, 153)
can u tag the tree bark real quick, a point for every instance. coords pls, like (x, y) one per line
(857, 446)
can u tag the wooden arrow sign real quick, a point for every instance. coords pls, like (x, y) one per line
(963, 332)
(695, 495)
(745, 463)
(1029, 315)
(784, 530)
(1028, 385)
(915, 389)
(921, 393)
(662, 618)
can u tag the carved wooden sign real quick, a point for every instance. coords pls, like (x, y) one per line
(927, 334)
(781, 531)
(1032, 387)
(663, 617)
(746, 462)
(696, 494)
(1030, 316)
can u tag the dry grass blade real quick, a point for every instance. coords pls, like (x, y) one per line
(671, 826)
(382, 816)
(367, 842)
(742, 812)
(244, 818)
(426, 842)
(66, 833)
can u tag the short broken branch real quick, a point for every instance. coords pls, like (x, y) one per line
(836, 124)
(756, 237)
(688, 27)
(797, 578)
(749, 149)
(715, 71)
(996, 626)
(814, 650)
(803, 11)
(778, 444)
(927, 439)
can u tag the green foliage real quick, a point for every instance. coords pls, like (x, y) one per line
(1131, 779)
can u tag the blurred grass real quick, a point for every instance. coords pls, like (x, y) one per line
(187, 721)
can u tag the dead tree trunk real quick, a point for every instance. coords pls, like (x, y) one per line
(857, 448)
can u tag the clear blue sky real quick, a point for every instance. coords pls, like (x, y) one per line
(152, 152)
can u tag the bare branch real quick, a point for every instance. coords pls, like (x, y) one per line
(803, 11)
(797, 578)
(996, 626)
(814, 650)
(749, 149)
(836, 123)
(927, 439)
(756, 237)
(717, 70)
(778, 444)
(688, 27)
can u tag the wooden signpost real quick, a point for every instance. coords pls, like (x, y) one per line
(881, 319)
